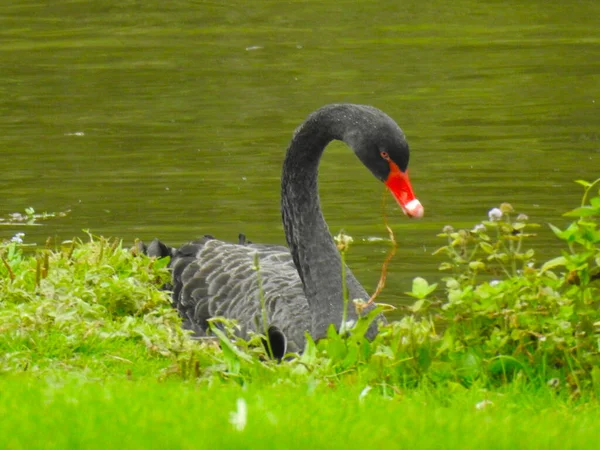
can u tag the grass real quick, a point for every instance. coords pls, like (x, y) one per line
(74, 412)
(92, 355)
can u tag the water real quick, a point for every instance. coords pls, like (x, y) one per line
(170, 119)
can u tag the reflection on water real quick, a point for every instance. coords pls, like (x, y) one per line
(171, 119)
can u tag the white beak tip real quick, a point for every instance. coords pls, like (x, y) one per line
(414, 209)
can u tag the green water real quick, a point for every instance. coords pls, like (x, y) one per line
(170, 119)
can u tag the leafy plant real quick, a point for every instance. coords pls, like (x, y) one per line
(82, 293)
(29, 217)
(503, 315)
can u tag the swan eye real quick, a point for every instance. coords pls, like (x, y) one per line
(385, 155)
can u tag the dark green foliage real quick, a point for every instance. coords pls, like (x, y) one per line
(501, 319)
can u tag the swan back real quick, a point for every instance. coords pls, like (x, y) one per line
(212, 278)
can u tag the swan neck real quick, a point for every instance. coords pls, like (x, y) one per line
(311, 245)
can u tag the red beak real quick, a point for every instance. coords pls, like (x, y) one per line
(399, 185)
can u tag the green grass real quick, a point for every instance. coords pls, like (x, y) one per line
(69, 411)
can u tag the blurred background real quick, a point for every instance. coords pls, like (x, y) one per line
(171, 119)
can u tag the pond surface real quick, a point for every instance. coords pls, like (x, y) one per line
(171, 119)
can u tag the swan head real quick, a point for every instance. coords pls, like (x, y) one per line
(382, 147)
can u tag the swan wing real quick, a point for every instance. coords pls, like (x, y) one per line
(212, 278)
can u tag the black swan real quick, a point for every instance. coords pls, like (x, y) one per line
(302, 286)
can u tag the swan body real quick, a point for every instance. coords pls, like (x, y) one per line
(301, 285)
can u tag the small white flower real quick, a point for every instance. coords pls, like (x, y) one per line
(484, 404)
(364, 393)
(494, 283)
(479, 228)
(495, 214)
(18, 238)
(448, 229)
(349, 324)
(542, 338)
(343, 241)
(239, 417)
